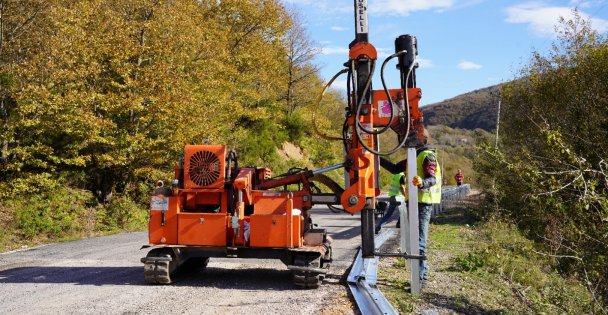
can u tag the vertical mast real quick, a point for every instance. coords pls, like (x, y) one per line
(361, 21)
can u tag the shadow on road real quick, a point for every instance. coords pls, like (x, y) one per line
(76, 275)
(220, 278)
(241, 279)
(347, 234)
(459, 304)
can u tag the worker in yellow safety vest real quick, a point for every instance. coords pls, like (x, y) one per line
(428, 181)
(396, 189)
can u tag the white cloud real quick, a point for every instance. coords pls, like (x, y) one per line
(425, 63)
(543, 19)
(385, 7)
(580, 3)
(383, 53)
(405, 7)
(469, 65)
(339, 29)
(334, 51)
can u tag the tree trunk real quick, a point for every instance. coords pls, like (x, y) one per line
(1, 26)
(4, 116)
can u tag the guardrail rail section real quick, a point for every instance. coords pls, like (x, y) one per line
(451, 197)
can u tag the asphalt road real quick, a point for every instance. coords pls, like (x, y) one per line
(103, 275)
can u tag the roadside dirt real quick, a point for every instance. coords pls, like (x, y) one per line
(444, 293)
(291, 151)
(5, 217)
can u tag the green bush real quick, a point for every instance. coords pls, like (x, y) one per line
(50, 211)
(296, 127)
(29, 184)
(470, 262)
(262, 138)
(123, 213)
(55, 213)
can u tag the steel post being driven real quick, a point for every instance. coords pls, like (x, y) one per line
(367, 232)
(404, 230)
(413, 232)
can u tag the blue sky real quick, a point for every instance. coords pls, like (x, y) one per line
(463, 45)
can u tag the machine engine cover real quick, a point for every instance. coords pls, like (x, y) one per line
(204, 166)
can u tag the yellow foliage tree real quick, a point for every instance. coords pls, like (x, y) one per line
(105, 93)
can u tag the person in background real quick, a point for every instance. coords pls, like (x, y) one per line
(459, 177)
(395, 190)
(428, 181)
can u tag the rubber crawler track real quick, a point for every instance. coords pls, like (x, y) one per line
(306, 280)
(157, 272)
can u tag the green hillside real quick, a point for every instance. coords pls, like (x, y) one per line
(473, 110)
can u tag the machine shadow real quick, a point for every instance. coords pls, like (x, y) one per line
(220, 278)
(238, 279)
(78, 275)
(352, 232)
(460, 305)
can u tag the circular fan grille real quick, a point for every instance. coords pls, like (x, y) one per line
(204, 168)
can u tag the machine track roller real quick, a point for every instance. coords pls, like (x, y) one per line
(325, 261)
(158, 271)
(306, 280)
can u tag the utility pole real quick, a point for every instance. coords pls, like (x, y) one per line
(498, 121)
(496, 147)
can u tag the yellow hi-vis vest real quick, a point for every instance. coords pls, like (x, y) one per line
(431, 195)
(393, 189)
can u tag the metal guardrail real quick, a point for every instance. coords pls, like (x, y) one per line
(362, 281)
(363, 274)
(451, 197)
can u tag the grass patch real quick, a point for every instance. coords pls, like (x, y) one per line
(503, 251)
(64, 214)
(483, 268)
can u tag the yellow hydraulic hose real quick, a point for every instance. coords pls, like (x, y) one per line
(318, 104)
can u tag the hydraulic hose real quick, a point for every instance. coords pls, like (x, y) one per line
(360, 102)
(318, 104)
(388, 95)
(407, 105)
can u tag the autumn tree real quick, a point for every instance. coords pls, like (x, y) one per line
(301, 51)
(99, 97)
(110, 90)
(21, 25)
